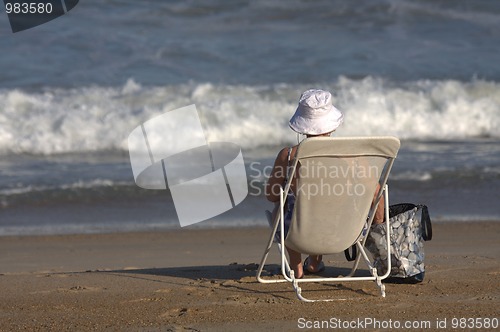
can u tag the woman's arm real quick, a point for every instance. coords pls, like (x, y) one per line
(379, 213)
(278, 176)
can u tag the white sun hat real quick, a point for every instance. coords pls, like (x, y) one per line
(316, 114)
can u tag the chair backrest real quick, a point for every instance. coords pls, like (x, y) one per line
(336, 179)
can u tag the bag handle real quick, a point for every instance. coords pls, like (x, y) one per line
(426, 223)
(426, 219)
(351, 256)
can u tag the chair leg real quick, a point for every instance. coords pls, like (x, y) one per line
(298, 290)
(285, 265)
(264, 257)
(378, 281)
(262, 262)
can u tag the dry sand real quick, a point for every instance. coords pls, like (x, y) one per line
(204, 280)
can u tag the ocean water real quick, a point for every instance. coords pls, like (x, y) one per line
(73, 89)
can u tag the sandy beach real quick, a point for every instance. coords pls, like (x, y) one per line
(204, 280)
(114, 116)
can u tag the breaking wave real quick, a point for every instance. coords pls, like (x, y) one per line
(100, 118)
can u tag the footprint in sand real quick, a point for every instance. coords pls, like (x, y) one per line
(175, 312)
(144, 299)
(79, 288)
(163, 290)
(179, 312)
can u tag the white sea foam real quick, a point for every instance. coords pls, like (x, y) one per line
(101, 118)
(412, 176)
(94, 183)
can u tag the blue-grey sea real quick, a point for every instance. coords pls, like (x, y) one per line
(73, 89)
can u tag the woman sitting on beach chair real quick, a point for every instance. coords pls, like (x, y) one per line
(315, 116)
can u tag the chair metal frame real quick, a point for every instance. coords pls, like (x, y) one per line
(288, 273)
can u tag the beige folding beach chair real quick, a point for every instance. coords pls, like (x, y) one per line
(336, 183)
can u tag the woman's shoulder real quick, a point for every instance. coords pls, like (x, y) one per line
(284, 154)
